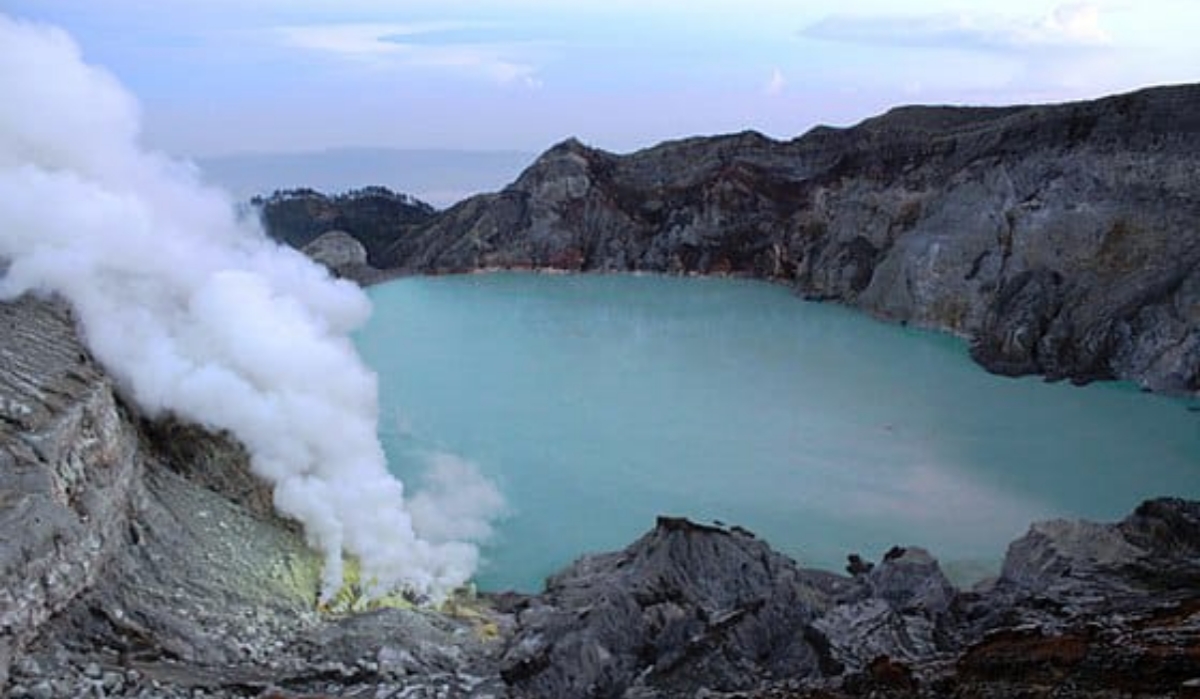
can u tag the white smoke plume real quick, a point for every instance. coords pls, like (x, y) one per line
(199, 314)
(455, 503)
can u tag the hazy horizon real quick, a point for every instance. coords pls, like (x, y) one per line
(436, 176)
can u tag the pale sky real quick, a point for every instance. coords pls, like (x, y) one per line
(223, 76)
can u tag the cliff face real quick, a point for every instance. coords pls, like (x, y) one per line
(1062, 240)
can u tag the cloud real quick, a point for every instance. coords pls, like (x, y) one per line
(1078, 22)
(393, 45)
(353, 40)
(776, 84)
(1068, 26)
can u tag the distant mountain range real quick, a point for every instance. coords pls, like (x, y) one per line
(438, 176)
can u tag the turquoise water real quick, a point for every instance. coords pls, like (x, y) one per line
(598, 402)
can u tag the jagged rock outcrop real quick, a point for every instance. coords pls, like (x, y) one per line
(1105, 610)
(1061, 239)
(1080, 609)
(902, 610)
(693, 608)
(685, 607)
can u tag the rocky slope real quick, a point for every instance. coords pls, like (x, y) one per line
(141, 559)
(1062, 240)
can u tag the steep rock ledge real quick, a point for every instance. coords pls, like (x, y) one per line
(1062, 240)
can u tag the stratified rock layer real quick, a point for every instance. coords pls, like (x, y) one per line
(68, 464)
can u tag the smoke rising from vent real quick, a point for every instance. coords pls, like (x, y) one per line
(199, 314)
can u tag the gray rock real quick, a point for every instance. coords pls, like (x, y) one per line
(343, 255)
(859, 632)
(685, 607)
(112, 681)
(911, 579)
(900, 609)
(68, 468)
(1153, 552)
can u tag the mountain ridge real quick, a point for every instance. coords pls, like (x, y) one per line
(1060, 240)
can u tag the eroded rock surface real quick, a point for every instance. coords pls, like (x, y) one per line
(68, 467)
(1080, 610)
(684, 607)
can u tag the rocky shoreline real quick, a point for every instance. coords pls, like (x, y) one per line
(1059, 239)
(140, 559)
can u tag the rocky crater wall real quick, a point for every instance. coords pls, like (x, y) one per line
(140, 558)
(1062, 240)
